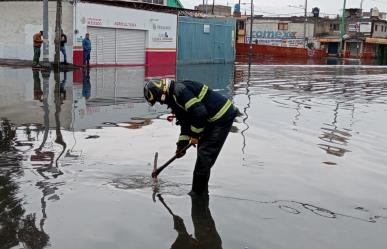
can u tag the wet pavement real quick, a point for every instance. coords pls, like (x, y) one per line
(304, 166)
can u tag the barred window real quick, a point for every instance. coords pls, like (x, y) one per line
(283, 26)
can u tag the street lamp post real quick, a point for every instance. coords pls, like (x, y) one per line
(46, 62)
(251, 28)
(305, 7)
(361, 6)
(305, 21)
(342, 29)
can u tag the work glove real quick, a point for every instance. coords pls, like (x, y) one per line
(194, 141)
(180, 146)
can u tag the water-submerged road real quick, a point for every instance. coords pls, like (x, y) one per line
(304, 167)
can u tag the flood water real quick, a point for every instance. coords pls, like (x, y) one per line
(304, 167)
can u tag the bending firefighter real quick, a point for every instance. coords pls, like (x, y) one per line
(205, 118)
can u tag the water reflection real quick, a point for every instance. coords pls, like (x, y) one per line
(206, 235)
(16, 227)
(306, 89)
(59, 97)
(110, 96)
(269, 60)
(335, 138)
(38, 93)
(86, 87)
(219, 77)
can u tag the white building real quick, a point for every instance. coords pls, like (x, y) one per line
(280, 31)
(120, 35)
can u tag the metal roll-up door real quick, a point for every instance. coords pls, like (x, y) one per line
(130, 46)
(103, 45)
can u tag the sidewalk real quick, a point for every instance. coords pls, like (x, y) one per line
(27, 63)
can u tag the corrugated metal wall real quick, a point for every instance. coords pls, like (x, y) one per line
(206, 40)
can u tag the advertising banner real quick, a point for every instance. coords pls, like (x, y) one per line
(295, 43)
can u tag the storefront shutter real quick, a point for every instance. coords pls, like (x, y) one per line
(130, 46)
(103, 42)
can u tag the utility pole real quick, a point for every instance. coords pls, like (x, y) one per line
(213, 6)
(46, 91)
(361, 6)
(342, 28)
(251, 30)
(46, 62)
(306, 20)
(58, 29)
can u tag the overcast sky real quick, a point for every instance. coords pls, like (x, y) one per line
(273, 7)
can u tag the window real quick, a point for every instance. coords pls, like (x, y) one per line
(161, 2)
(241, 25)
(283, 26)
(334, 27)
(376, 27)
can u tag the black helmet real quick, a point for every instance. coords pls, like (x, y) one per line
(156, 90)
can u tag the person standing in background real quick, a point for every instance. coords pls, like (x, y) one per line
(63, 41)
(37, 41)
(86, 44)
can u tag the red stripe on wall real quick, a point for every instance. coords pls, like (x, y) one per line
(160, 63)
(160, 58)
(78, 57)
(275, 51)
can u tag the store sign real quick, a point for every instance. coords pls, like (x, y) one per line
(160, 27)
(354, 27)
(206, 28)
(123, 24)
(278, 42)
(274, 34)
(94, 21)
(162, 37)
(365, 27)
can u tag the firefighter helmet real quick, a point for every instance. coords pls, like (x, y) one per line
(156, 90)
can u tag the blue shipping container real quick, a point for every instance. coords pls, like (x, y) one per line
(206, 40)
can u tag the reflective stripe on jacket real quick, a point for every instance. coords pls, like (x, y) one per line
(196, 106)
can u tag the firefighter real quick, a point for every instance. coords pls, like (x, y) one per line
(205, 118)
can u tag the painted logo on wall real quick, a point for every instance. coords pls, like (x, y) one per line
(274, 34)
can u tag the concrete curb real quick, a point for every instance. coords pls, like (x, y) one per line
(27, 63)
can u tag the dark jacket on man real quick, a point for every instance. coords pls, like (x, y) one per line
(63, 40)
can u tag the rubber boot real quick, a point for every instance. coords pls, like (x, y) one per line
(199, 185)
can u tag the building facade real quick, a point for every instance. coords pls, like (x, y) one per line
(120, 35)
(125, 36)
(363, 37)
(276, 31)
(217, 10)
(169, 3)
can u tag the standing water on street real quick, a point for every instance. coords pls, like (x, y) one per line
(303, 167)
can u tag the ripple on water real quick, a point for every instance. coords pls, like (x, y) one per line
(145, 182)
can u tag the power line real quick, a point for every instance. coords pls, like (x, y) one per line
(379, 1)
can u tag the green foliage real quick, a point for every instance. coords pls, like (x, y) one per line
(310, 45)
